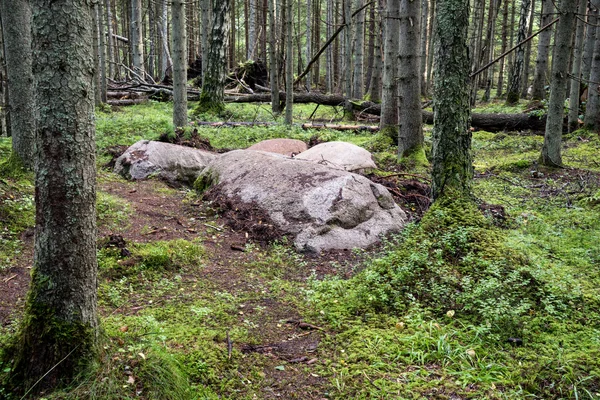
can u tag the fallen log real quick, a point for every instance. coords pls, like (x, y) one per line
(126, 102)
(487, 122)
(336, 127)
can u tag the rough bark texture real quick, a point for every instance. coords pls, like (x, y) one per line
(590, 39)
(273, 70)
(452, 160)
(514, 86)
(410, 129)
(358, 52)
(101, 52)
(166, 63)
(252, 42)
(592, 110)
(560, 68)
(179, 64)
(289, 63)
(213, 83)
(16, 24)
(110, 51)
(576, 70)
(504, 34)
(389, 98)
(541, 63)
(205, 29)
(375, 84)
(527, 59)
(60, 315)
(136, 38)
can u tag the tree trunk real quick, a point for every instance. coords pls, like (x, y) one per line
(527, 62)
(541, 63)
(375, 85)
(592, 109)
(504, 34)
(16, 24)
(110, 51)
(410, 126)
(452, 160)
(590, 38)
(476, 45)
(316, 76)
(576, 70)
(211, 98)
(308, 41)
(389, 103)
(273, 70)
(179, 64)
(370, 48)
(252, 39)
(359, 45)
(60, 327)
(513, 92)
(424, 24)
(101, 51)
(556, 105)
(206, 31)
(136, 38)
(489, 73)
(329, 51)
(289, 63)
(430, 46)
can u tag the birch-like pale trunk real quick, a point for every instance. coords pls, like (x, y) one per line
(252, 38)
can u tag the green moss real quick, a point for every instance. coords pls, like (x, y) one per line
(206, 179)
(391, 132)
(207, 105)
(415, 159)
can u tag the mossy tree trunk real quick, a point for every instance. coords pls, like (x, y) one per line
(60, 325)
(452, 160)
(410, 126)
(213, 82)
(16, 24)
(560, 68)
(179, 64)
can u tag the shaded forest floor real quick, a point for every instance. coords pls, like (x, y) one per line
(193, 310)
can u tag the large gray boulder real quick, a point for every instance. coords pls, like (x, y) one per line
(321, 207)
(340, 155)
(174, 163)
(288, 147)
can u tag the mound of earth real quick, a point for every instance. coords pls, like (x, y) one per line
(175, 164)
(321, 207)
(288, 147)
(340, 155)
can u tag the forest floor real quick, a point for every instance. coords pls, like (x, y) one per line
(191, 309)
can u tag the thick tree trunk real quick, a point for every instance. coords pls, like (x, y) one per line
(179, 64)
(452, 160)
(359, 44)
(541, 63)
(60, 325)
(556, 105)
(16, 24)
(166, 63)
(211, 99)
(389, 103)
(136, 38)
(206, 32)
(289, 64)
(576, 70)
(375, 85)
(514, 86)
(410, 129)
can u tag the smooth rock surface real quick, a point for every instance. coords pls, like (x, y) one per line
(176, 164)
(339, 155)
(321, 207)
(288, 147)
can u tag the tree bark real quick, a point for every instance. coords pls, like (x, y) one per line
(358, 52)
(289, 64)
(206, 30)
(389, 103)
(551, 149)
(375, 85)
(576, 70)
(590, 38)
(329, 51)
(541, 63)
(211, 99)
(179, 64)
(424, 24)
(136, 38)
(16, 24)
(451, 153)
(527, 59)
(514, 88)
(410, 129)
(110, 51)
(504, 34)
(60, 327)
(101, 52)
(273, 69)
(252, 40)
(308, 41)
(592, 110)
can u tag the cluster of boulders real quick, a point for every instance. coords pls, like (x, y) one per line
(316, 195)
